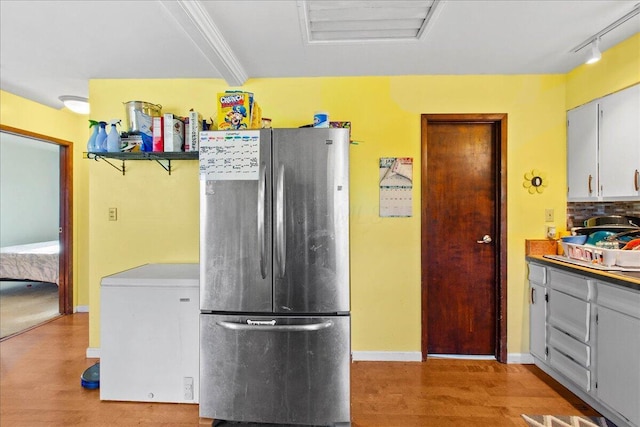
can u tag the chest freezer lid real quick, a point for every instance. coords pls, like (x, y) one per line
(166, 275)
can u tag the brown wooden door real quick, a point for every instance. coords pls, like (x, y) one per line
(462, 234)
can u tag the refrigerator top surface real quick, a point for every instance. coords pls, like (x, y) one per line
(166, 275)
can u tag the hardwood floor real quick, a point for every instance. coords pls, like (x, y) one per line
(26, 304)
(40, 386)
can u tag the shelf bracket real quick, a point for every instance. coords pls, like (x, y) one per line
(166, 166)
(97, 157)
(162, 158)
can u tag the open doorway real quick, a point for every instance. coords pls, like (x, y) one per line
(39, 264)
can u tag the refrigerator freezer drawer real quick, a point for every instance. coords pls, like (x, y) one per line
(284, 370)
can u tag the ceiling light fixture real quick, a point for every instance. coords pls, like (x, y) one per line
(594, 52)
(77, 104)
(594, 40)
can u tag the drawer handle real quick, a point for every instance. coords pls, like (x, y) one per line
(271, 326)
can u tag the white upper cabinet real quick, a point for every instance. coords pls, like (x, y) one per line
(603, 148)
(620, 144)
(582, 152)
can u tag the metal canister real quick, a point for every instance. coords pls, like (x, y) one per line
(138, 115)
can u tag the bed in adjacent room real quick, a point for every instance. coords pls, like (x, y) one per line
(34, 261)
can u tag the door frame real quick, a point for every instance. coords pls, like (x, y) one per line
(65, 286)
(499, 121)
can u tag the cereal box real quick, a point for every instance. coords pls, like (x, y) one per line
(193, 127)
(173, 133)
(158, 133)
(234, 110)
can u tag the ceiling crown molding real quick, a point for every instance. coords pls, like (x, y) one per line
(196, 22)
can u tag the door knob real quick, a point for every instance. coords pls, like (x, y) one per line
(485, 239)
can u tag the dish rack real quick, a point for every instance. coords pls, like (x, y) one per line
(602, 256)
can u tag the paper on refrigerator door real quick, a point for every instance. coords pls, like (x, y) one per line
(229, 156)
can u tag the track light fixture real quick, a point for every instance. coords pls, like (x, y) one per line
(594, 52)
(594, 41)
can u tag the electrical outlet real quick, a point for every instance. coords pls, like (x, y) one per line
(113, 214)
(548, 215)
(188, 388)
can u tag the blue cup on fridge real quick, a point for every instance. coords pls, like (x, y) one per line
(321, 120)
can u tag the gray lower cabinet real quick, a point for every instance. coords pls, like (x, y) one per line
(538, 311)
(618, 351)
(585, 333)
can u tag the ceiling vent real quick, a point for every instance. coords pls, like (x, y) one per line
(360, 21)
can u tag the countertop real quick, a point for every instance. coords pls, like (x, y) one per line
(628, 279)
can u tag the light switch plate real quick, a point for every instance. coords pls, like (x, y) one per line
(548, 215)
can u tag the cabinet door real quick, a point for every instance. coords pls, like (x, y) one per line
(582, 152)
(620, 144)
(537, 321)
(618, 368)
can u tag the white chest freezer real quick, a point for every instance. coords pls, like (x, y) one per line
(149, 350)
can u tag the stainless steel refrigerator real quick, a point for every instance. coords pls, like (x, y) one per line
(274, 276)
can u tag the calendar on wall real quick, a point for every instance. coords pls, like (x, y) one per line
(396, 185)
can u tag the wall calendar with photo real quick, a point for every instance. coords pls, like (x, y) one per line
(396, 186)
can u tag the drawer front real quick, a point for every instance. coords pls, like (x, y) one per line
(571, 284)
(625, 301)
(276, 370)
(569, 314)
(579, 375)
(537, 274)
(578, 351)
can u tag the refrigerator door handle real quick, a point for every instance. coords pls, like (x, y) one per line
(262, 239)
(270, 326)
(281, 248)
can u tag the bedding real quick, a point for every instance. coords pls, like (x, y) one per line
(34, 261)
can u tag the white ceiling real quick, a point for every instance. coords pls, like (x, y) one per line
(52, 48)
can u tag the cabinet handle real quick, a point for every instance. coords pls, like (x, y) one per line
(533, 296)
(590, 190)
(636, 180)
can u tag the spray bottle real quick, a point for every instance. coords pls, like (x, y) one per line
(91, 143)
(114, 142)
(101, 139)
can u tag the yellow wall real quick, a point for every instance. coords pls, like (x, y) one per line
(158, 214)
(619, 68)
(62, 124)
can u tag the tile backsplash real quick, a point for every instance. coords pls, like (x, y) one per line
(578, 212)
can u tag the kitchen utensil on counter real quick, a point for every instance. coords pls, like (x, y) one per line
(626, 235)
(632, 245)
(606, 220)
(613, 228)
(598, 236)
(580, 239)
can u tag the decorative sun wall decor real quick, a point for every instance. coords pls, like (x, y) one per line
(535, 181)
